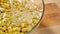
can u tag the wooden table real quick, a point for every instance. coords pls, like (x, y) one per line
(51, 15)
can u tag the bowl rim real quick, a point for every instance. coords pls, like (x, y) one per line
(40, 18)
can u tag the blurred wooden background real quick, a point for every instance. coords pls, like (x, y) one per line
(51, 15)
(53, 1)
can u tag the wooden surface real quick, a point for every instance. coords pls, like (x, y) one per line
(51, 15)
(53, 1)
(50, 23)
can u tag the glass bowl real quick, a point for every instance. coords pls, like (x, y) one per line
(20, 16)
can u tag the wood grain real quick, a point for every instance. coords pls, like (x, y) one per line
(51, 15)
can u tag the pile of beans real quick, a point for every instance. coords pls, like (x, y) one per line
(18, 17)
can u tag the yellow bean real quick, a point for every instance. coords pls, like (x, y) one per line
(22, 25)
